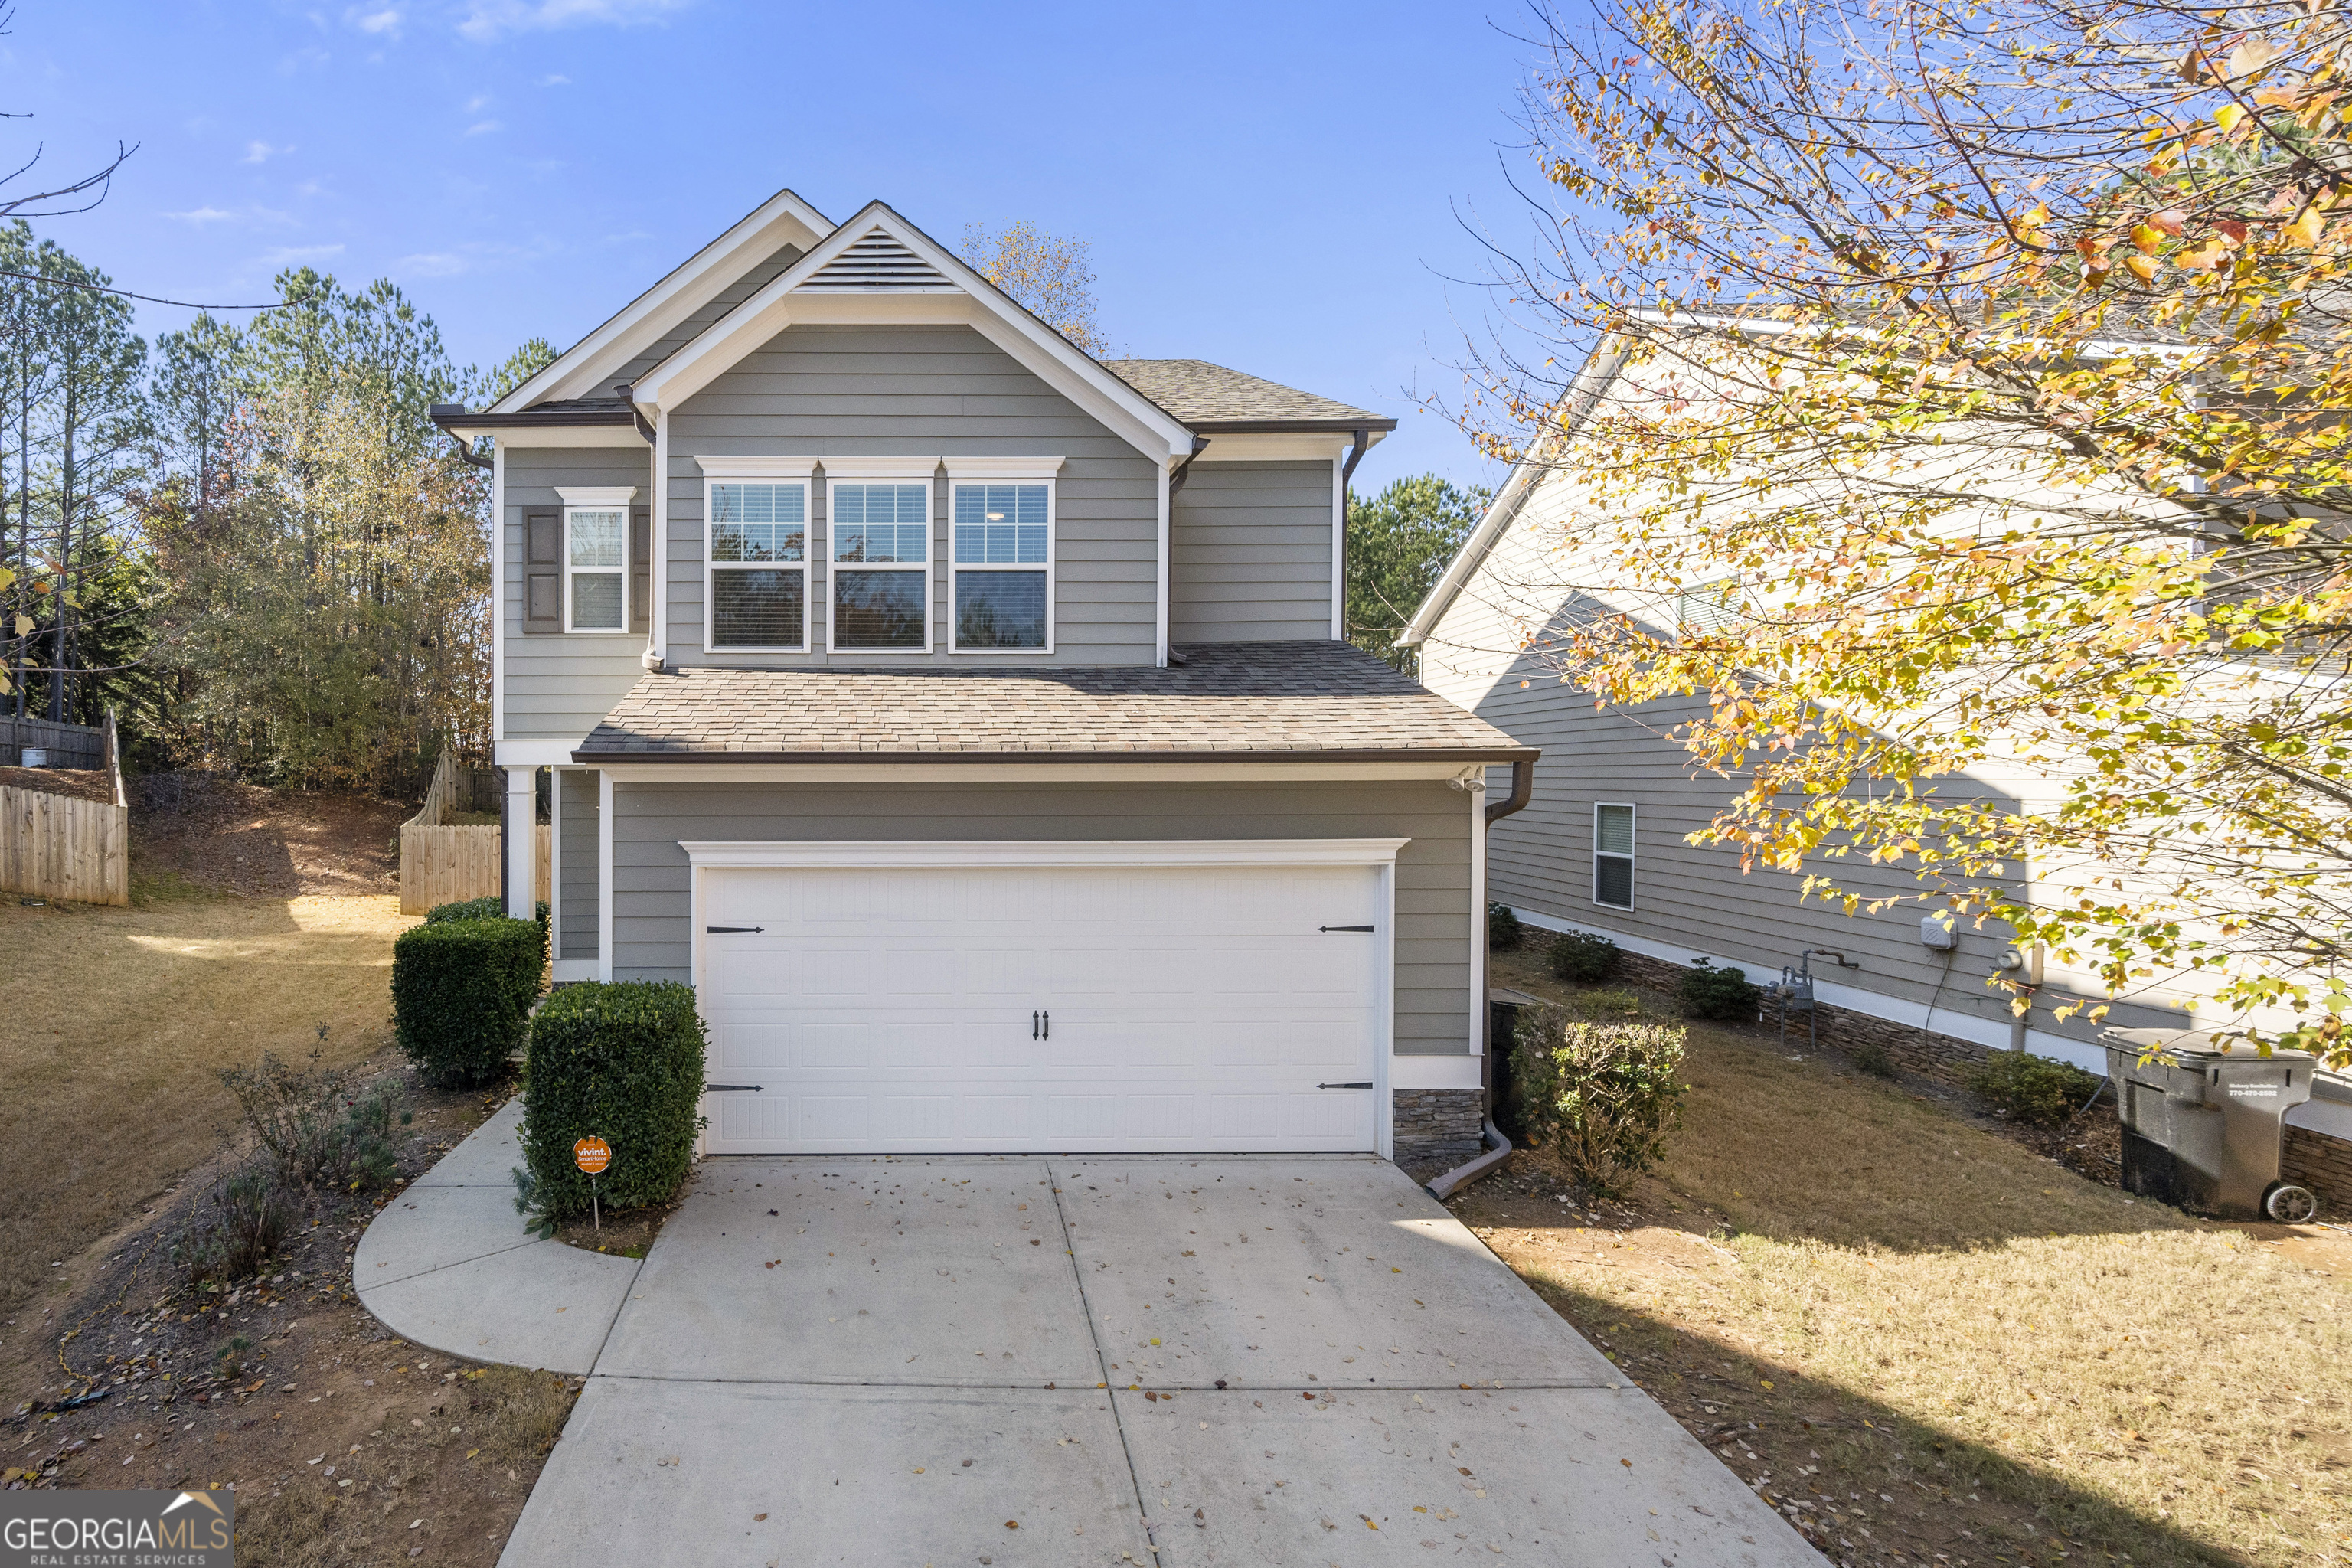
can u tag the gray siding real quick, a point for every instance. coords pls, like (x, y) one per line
(814, 391)
(1250, 553)
(651, 917)
(556, 688)
(576, 862)
(686, 332)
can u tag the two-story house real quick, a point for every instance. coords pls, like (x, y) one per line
(967, 720)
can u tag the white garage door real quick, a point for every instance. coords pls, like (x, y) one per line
(913, 1009)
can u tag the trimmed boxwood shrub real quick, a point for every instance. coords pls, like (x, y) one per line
(1601, 1096)
(622, 1062)
(1725, 995)
(461, 991)
(1583, 958)
(492, 909)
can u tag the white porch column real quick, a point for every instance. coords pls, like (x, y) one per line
(522, 841)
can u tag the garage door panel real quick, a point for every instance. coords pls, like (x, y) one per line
(893, 1009)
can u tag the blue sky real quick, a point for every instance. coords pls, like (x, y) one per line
(1278, 186)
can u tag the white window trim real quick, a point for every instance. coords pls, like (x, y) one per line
(1005, 472)
(1629, 857)
(776, 474)
(883, 471)
(604, 497)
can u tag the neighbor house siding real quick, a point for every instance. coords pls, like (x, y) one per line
(651, 919)
(576, 862)
(1250, 553)
(557, 686)
(924, 391)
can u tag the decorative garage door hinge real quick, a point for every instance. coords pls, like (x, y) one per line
(1343, 1085)
(721, 930)
(1345, 927)
(732, 1087)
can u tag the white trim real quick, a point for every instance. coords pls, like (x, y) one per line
(537, 754)
(1014, 771)
(573, 969)
(604, 876)
(1451, 1070)
(1384, 977)
(874, 470)
(711, 565)
(1631, 856)
(896, 852)
(782, 219)
(956, 568)
(733, 466)
(1339, 551)
(613, 499)
(1272, 446)
(1951, 1021)
(657, 569)
(1167, 527)
(554, 863)
(499, 582)
(1001, 468)
(597, 498)
(522, 848)
(1476, 790)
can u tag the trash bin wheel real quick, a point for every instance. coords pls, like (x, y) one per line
(2290, 1204)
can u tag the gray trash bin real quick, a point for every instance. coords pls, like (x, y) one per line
(2203, 1127)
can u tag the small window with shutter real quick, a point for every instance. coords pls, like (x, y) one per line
(604, 547)
(1612, 855)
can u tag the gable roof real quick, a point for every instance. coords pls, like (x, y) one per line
(782, 219)
(879, 254)
(1262, 701)
(1210, 397)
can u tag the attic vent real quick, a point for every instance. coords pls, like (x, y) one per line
(875, 263)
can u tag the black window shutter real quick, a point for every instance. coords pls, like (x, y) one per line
(543, 573)
(641, 568)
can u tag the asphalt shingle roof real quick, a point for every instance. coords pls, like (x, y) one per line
(1259, 699)
(1199, 393)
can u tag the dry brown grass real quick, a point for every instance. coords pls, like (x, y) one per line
(2092, 1369)
(114, 1025)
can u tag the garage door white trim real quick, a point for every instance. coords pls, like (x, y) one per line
(1379, 855)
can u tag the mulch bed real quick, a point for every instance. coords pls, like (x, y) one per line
(233, 837)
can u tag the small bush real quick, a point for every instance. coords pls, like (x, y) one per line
(1504, 932)
(233, 1227)
(2030, 1089)
(1870, 1058)
(1723, 994)
(315, 1125)
(1605, 1002)
(1603, 1097)
(461, 992)
(1586, 959)
(484, 909)
(622, 1062)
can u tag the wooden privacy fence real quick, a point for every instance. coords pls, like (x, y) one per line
(444, 865)
(61, 847)
(69, 745)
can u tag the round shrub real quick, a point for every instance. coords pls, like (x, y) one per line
(461, 990)
(492, 909)
(1586, 959)
(1725, 995)
(1601, 1096)
(2030, 1089)
(622, 1062)
(1504, 932)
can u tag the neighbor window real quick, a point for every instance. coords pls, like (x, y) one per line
(1004, 536)
(758, 566)
(881, 536)
(596, 568)
(1612, 855)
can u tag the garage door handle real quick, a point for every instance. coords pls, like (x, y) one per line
(1343, 1085)
(722, 931)
(1346, 928)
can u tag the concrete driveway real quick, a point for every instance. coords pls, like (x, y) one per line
(1165, 1360)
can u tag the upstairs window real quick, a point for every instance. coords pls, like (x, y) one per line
(597, 559)
(881, 536)
(1612, 855)
(756, 581)
(1003, 567)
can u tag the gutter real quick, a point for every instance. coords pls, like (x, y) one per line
(628, 393)
(1354, 426)
(1176, 480)
(456, 416)
(1523, 789)
(1520, 757)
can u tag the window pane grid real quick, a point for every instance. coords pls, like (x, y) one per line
(1001, 525)
(758, 523)
(882, 524)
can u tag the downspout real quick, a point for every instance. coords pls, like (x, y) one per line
(627, 393)
(1176, 480)
(467, 452)
(1362, 444)
(1523, 788)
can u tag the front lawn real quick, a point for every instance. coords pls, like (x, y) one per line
(1930, 1344)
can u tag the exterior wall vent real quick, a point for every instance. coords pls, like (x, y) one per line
(876, 263)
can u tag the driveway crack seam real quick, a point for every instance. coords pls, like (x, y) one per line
(455, 1263)
(1102, 1357)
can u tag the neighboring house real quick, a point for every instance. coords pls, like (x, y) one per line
(966, 720)
(1605, 847)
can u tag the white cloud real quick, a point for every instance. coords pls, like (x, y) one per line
(200, 215)
(431, 264)
(293, 255)
(555, 81)
(489, 19)
(476, 103)
(483, 128)
(386, 21)
(262, 151)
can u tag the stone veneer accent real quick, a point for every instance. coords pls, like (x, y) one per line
(1439, 1124)
(2324, 1165)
